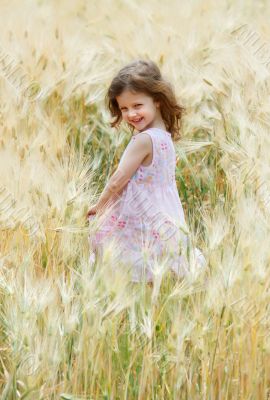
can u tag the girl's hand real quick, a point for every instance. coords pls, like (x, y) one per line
(92, 211)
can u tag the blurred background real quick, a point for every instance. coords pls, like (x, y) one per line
(68, 332)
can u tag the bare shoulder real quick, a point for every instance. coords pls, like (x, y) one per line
(144, 144)
(144, 139)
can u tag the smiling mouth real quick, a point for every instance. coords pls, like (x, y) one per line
(136, 121)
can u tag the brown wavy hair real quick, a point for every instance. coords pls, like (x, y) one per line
(144, 76)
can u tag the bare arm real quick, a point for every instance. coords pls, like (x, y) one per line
(138, 148)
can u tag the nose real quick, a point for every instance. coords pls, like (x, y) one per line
(131, 113)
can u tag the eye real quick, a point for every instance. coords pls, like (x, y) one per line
(137, 105)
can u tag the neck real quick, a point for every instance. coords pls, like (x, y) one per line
(158, 123)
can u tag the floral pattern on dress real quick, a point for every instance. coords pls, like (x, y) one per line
(155, 183)
(164, 146)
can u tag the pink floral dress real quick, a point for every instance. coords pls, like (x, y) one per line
(147, 221)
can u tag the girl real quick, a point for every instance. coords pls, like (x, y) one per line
(140, 204)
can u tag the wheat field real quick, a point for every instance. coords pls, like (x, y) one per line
(71, 332)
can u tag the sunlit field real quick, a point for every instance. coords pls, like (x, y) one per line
(71, 331)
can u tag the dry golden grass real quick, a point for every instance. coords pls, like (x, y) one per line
(71, 332)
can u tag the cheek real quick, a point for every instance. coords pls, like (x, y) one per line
(143, 110)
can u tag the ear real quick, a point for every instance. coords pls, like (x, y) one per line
(157, 103)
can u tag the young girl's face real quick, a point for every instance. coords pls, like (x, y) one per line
(139, 110)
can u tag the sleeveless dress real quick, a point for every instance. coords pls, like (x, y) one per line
(147, 221)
